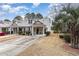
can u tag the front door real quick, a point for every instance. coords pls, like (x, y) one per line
(37, 31)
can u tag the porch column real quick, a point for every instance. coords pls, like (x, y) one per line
(32, 31)
(24, 29)
(13, 30)
(0, 29)
(10, 30)
(6, 29)
(43, 30)
(17, 30)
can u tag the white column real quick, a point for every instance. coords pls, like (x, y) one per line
(43, 30)
(10, 30)
(6, 29)
(24, 30)
(0, 29)
(13, 30)
(32, 31)
(17, 30)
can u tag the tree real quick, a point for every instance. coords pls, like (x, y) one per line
(17, 19)
(33, 16)
(62, 19)
(71, 19)
(28, 16)
(39, 16)
(7, 20)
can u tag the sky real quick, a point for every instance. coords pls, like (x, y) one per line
(11, 10)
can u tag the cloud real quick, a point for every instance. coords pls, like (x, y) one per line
(54, 8)
(8, 8)
(18, 9)
(35, 5)
(5, 7)
(54, 5)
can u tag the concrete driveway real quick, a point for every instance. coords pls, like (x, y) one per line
(16, 45)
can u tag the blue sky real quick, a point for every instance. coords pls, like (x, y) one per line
(10, 10)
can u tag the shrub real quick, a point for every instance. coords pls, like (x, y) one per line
(28, 32)
(19, 32)
(47, 33)
(55, 31)
(61, 36)
(22, 33)
(67, 38)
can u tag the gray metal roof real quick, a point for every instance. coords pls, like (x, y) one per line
(23, 23)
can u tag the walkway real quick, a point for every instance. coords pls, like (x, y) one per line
(48, 46)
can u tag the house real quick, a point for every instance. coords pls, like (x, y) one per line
(35, 26)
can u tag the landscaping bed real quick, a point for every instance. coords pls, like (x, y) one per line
(2, 33)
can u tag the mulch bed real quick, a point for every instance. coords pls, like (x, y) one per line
(68, 48)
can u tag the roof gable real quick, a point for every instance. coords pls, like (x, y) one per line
(14, 25)
(38, 23)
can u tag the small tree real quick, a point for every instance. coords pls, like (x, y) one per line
(70, 20)
(7, 20)
(39, 16)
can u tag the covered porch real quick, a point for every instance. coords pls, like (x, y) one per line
(38, 28)
(19, 29)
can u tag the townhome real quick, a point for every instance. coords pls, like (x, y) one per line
(34, 26)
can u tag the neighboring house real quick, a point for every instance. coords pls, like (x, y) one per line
(35, 26)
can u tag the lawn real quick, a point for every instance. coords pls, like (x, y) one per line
(49, 46)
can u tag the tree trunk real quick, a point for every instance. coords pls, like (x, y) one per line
(74, 37)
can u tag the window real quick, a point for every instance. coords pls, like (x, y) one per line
(30, 21)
